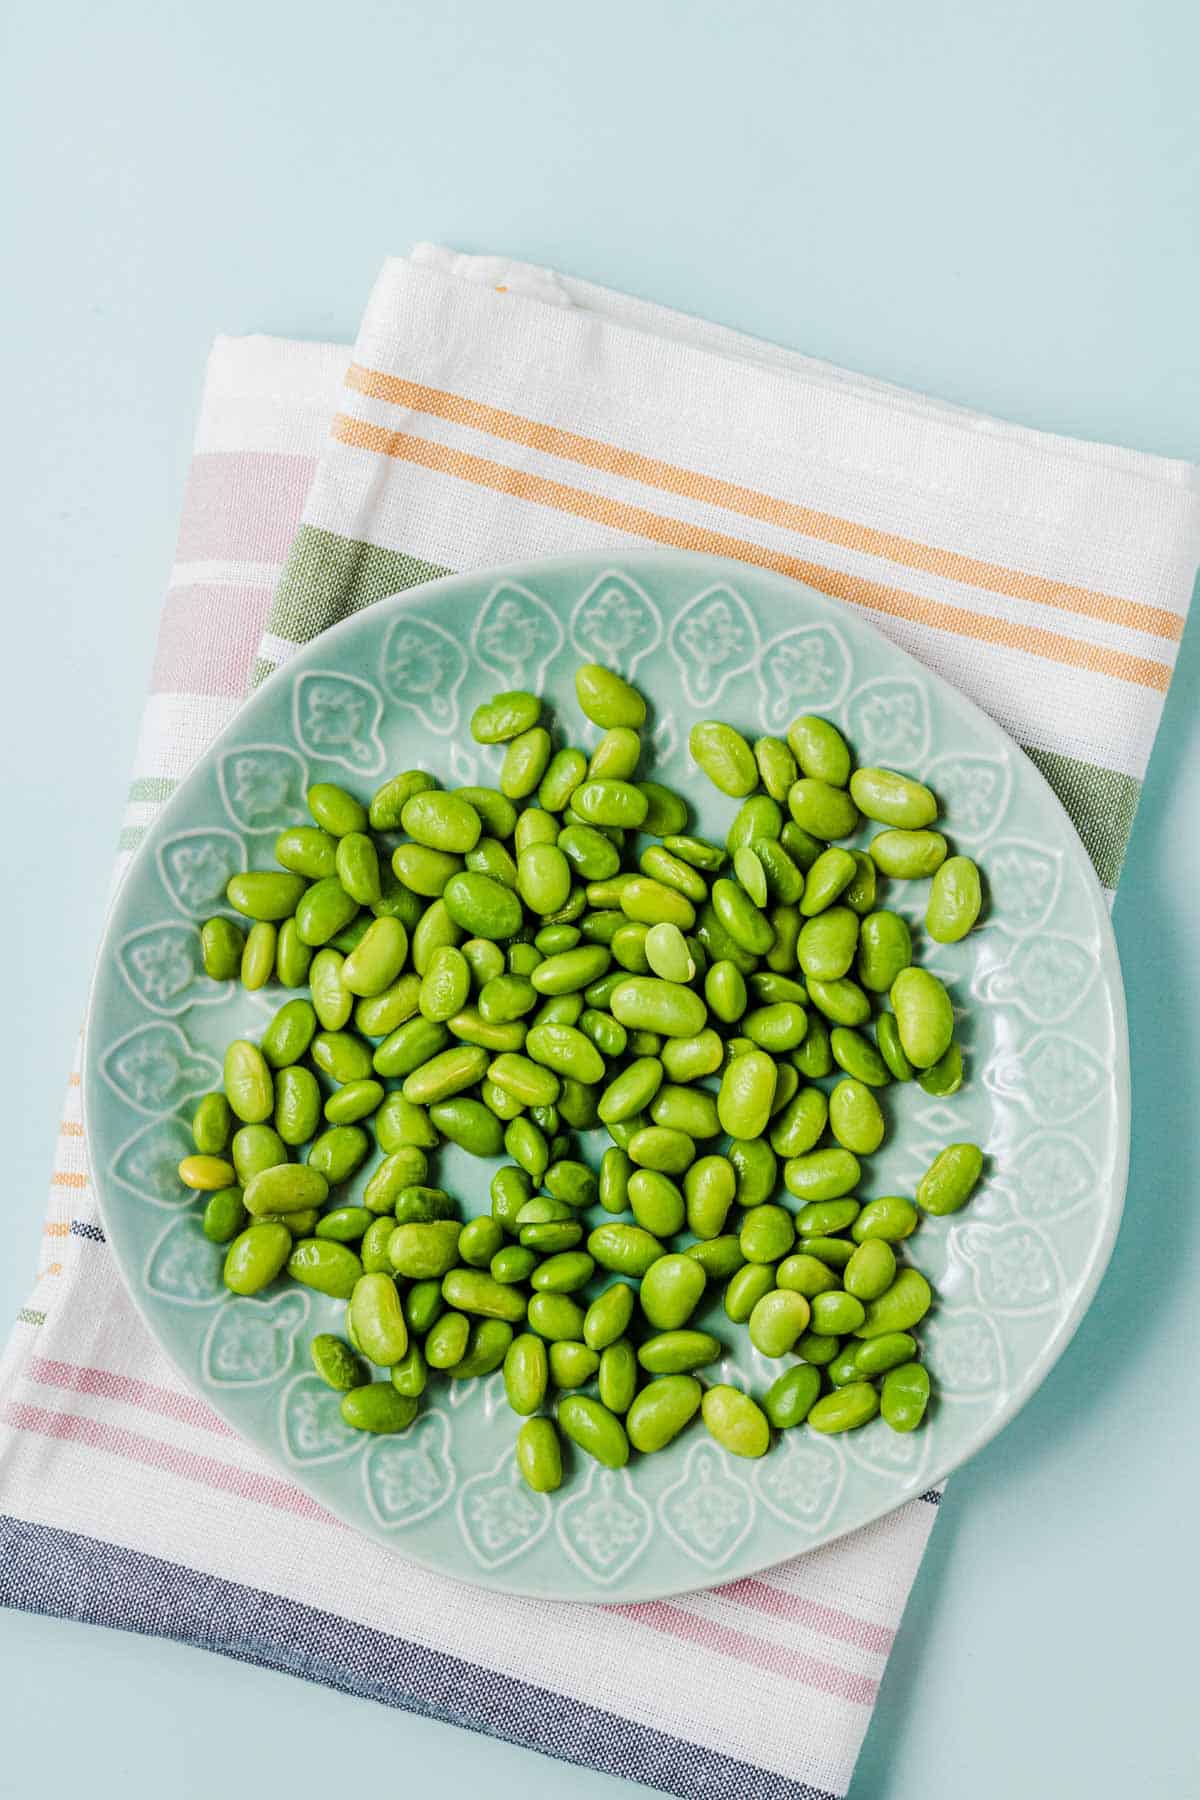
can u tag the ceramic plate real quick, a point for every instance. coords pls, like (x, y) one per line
(1038, 985)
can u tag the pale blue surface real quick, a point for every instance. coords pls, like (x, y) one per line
(995, 204)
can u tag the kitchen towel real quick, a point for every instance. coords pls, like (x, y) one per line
(492, 412)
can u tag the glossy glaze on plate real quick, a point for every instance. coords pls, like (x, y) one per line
(1043, 1028)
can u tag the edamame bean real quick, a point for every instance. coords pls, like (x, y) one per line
(889, 1219)
(709, 1187)
(557, 1317)
(776, 766)
(924, 1016)
(908, 855)
(539, 1456)
(855, 1118)
(525, 762)
(893, 799)
(256, 1256)
(224, 1215)
(357, 865)
(735, 1421)
(512, 1264)
(719, 1257)
(903, 1305)
(659, 1413)
(205, 1174)
(341, 1056)
(624, 1249)
(616, 1381)
(950, 1179)
(292, 957)
(791, 1397)
(827, 943)
(871, 1270)
(526, 1373)
(609, 802)
(505, 716)
(323, 910)
(767, 1233)
(595, 1429)
(329, 1267)
(377, 959)
(339, 1152)
(880, 1354)
(221, 946)
(822, 1219)
(858, 1056)
(421, 1251)
(671, 1291)
(820, 749)
(616, 755)
(264, 894)
(746, 1093)
(887, 1037)
(801, 1124)
(481, 906)
(378, 1408)
(745, 1289)
(446, 1340)
(777, 1321)
(955, 899)
(822, 1174)
(846, 1409)
(829, 877)
(905, 1396)
(387, 803)
(607, 699)
(813, 1057)
(805, 1274)
(572, 1364)
(608, 1316)
(755, 1169)
(249, 1087)
(843, 1002)
(658, 1147)
(475, 1291)
(285, 1188)
(821, 809)
(256, 1147)
(724, 756)
(946, 1075)
(615, 1171)
(657, 1203)
(424, 871)
(666, 812)
(565, 1050)
(335, 1362)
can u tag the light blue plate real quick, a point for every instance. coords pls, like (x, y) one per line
(1043, 1026)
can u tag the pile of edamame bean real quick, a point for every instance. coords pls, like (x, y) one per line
(504, 967)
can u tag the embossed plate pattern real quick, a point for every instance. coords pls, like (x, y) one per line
(1043, 1027)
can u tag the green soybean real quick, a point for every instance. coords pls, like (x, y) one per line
(737, 1423)
(256, 1256)
(903, 1305)
(378, 1408)
(539, 1456)
(846, 1409)
(924, 1016)
(950, 1179)
(904, 1396)
(908, 855)
(955, 899)
(660, 1412)
(221, 946)
(792, 1395)
(595, 1429)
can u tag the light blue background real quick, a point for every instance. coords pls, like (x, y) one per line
(992, 203)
